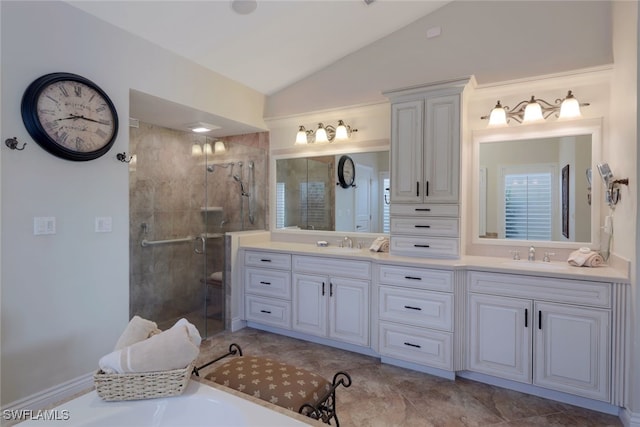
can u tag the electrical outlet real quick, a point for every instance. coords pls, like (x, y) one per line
(44, 225)
(103, 224)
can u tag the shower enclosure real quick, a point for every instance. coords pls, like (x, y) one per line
(184, 197)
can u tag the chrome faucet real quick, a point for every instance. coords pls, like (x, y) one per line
(532, 253)
(347, 242)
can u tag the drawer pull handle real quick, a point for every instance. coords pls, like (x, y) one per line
(417, 188)
(420, 246)
(426, 193)
(422, 226)
(526, 318)
(412, 278)
(330, 289)
(265, 283)
(322, 288)
(265, 260)
(265, 311)
(423, 209)
(412, 308)
(540, 319)
(412, 345)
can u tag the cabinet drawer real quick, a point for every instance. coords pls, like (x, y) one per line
(421, 278)
(269, 283)
(577, 292)
(426, 209)
(332, 267)
(267, 259)
(445, 227)
(416, 307)
(417, 345)
(428, 247)
(268, 311)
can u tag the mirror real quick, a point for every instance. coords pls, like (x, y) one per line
(535, 186)
(308, 195)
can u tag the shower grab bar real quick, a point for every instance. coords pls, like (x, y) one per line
(146, 242)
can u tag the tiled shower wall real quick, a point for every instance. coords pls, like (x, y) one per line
(172, 196)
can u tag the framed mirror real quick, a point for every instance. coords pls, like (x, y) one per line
(309, 197)
(534, 184)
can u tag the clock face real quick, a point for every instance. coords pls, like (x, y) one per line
(346, 172)
(69, 116)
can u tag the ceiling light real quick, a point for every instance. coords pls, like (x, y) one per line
(535, 110)
(323, 133)
(244, 7)
(200, 127)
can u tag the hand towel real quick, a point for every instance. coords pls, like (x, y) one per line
(585, 259)
(385, 246)
(174, 348)
(137, 330)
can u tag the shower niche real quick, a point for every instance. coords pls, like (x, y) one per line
(182, 205)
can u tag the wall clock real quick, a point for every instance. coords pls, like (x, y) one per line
(346, 172)
(69, 116)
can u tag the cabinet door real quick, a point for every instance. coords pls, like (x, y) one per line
(407, 119)
(310, 304)
(500, 337)
(442, 149)
(572, 349)
(349, 310)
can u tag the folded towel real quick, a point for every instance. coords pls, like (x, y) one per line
(137, 330)
(585, 259)
(385, 246)
(174, 348)
(216, 276)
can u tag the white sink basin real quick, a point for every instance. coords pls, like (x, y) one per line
(339, 250)
(538, 265)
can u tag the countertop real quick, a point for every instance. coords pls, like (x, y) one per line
(557, 269)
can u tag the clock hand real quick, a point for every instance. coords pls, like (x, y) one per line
(92, 120)
(71, 117)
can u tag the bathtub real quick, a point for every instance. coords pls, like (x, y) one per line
(199, 405)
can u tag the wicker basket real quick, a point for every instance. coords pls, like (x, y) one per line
(143, 385)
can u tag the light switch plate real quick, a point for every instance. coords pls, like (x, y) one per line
(103, 224)
(44, 225)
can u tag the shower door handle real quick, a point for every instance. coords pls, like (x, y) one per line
(202, 243)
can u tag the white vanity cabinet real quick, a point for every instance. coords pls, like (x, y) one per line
(331, 298)
(550, 332)
(416, 315)
(425, 170)
(267, 287)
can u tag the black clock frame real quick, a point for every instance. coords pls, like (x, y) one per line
(29, 111)
(343, 183)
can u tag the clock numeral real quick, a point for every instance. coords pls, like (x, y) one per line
(101, 133)
(62, 138)
(77, 90)
(64, 90)
(101, 108)
(105, 122)
(92, 96)
(52, 98)
(79, 143)
(51, 125)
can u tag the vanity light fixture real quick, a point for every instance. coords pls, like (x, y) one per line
(324, 133)
(196, 149)
(219, 147)
(535, 110)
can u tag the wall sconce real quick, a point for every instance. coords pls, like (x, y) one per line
(219, 147)
(196, 149)
(324, 133)
(535, 110)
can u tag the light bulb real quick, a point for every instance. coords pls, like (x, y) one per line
(570, 107)
(321, 134)
(532, 112)
(196, 150)
(219, 147)
(301, 136)
(498, 116)
(341, 131)
(207, 149)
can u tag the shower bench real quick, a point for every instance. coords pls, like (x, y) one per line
(281, 384)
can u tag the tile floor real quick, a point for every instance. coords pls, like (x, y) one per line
(385, 395)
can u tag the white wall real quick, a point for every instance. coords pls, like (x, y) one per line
(65, 297)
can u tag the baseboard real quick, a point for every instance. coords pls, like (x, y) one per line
(237, 324)
(629, 419)
(52, 396)
(442, 373)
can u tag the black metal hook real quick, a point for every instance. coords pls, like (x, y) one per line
(13, 144)
(123, 157)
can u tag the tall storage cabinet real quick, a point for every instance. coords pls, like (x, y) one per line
(425, 170)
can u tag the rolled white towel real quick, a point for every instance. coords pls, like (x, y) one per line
(581, 258)
(137, 330)
(174, 348)
(385, 246)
